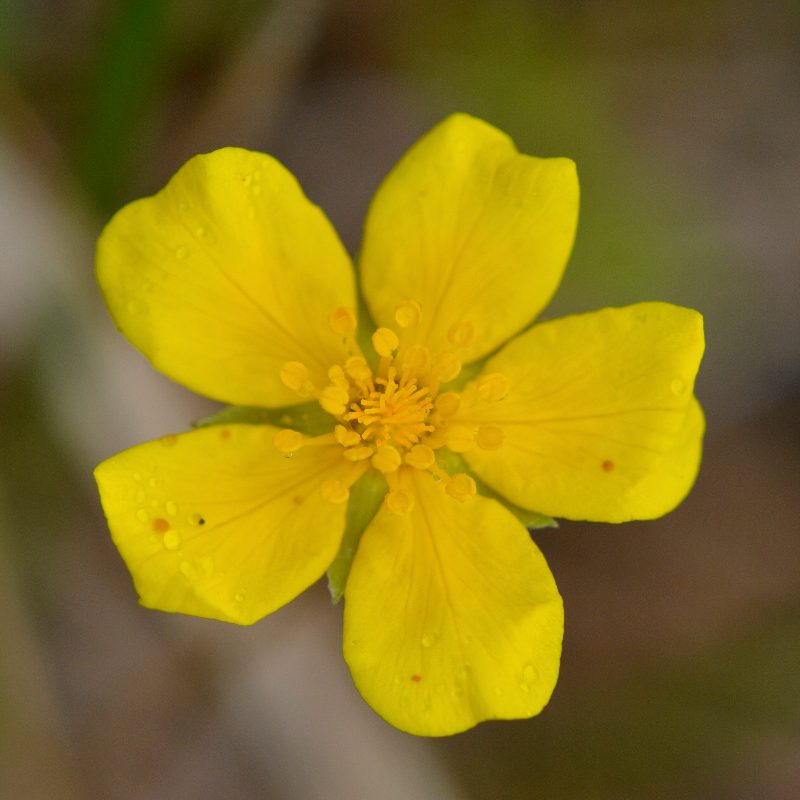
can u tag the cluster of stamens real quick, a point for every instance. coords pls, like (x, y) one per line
(393, 417)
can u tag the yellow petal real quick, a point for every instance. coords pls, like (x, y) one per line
(599, 421)
(225, 275)
(472, 231)
(452, 615)
(219, 523)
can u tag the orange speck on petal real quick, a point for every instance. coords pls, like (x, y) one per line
(169, 440)
(160, 525)
(416, 678)
(608, 465)
(225, 433)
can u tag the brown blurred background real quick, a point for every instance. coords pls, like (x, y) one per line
(681, 668)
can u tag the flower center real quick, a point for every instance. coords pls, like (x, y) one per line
(394, 418)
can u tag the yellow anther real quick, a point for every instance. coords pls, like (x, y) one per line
(460, 438)
(358, 453)
(416, 359)
(334, 400)
(420, 456)
(447, 367)
(385, 341)
(386, 459)
(400, 502)
(358, 369)
(489, 437)
(462, 334)
(342, 321)
(338, 378)
(345, 436)
(335, 491)
(447, 403)
(294, 375)
(460, 487)
(407, 315)
(288, 441)
(493, 387)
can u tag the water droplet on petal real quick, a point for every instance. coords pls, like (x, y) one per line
(138, 307)
(142, 515)
(206, 565)
(530, 673)
(678, 386)
(172, 540)
(239, 597)
(188, 570)
(182, 252)
(172, 508)
(200, 232)
(429, 639)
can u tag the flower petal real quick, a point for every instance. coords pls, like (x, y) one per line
(599, 421)
(452, 615)
(472, 231)
(225, 275)
(217, 523)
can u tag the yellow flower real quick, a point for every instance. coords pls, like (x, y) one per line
(232, 283)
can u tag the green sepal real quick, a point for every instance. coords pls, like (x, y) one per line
(366, 496)
(532, 520)
(308, 418)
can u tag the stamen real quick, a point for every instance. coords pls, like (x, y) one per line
(460, 487)
(346, 437)
(416, 359)
(461, 334)
(342, 321)
(420, 456)
(288, 441)
(294, 375)
(400, 502)
(386, 459)
(490, 437)
(460, 438)
(385, 341)
(335, 491)
(447, 403)
(447, 366)
(358, 369)
(337, 378)
(358, 453)
(493, 387)
(407, 315)
(334, 400)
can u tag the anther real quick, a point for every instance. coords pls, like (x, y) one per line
(357, 368)
(342, 321)
(345, 436)
(385, 341)
(358, 453)
(420, 456)
(493, 387)
(334, 400)
(460, 438)
(447, 403)
(386, 459)
(335, 491)
(288, 441)
(294, 375)
(400, 502)
(447, 367)
(460, 487)
(338, 378)
(407, 315)
(489, 437)
(416, 359)
(461, 334)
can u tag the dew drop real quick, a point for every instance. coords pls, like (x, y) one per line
(429, 639)
(138, 307)
(525, 688)
(142, 516)
(172, 540)
(152, 483)
(206, 565)
(182, 252)
(239, 597)
(256, 190)
(188, 570)
(530, 673)
(172, 508)
(200, 232)
(678, 386)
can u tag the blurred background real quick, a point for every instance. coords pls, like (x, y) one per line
(681, 667)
